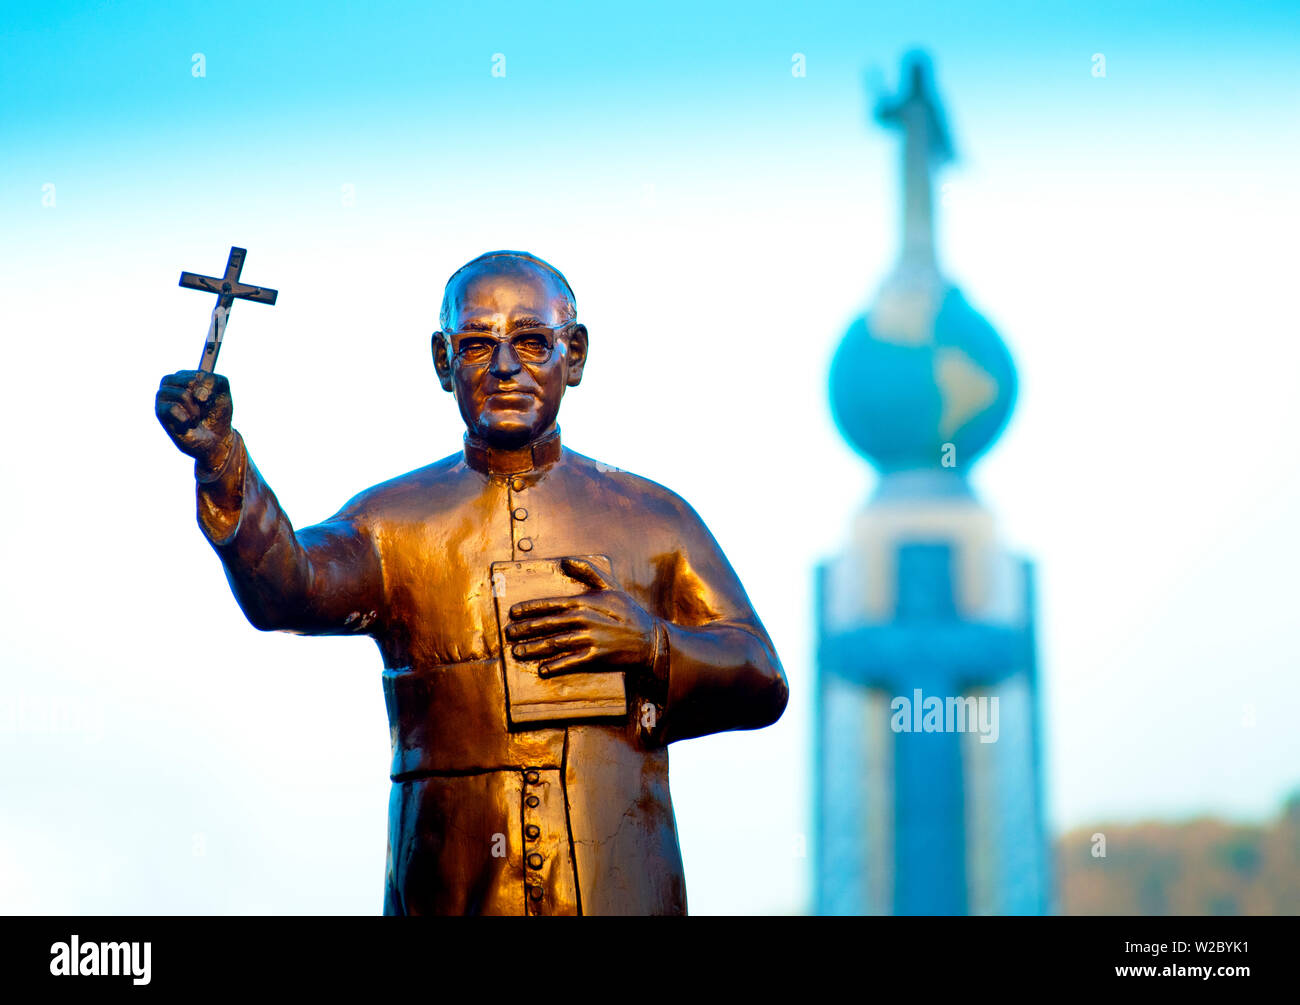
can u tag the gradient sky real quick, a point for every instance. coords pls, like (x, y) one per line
(721, 222)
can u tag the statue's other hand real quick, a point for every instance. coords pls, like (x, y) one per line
(605, 629)
(195, 409)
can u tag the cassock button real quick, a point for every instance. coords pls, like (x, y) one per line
(521, 513)
(532, 832)
(534, 861)
(535, 892)
(525, 544)
(517, 484)
(533, 802)
(532, 777)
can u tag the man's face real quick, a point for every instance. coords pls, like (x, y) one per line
(510, 350)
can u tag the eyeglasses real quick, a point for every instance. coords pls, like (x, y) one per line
(531, 345)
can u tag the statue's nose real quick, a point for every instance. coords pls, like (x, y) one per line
(505, 362)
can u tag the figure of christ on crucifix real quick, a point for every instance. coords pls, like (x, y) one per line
(228, 289)
(548, 624)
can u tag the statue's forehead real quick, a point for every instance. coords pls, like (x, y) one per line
(507, 291)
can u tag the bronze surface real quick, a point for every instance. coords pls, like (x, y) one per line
(486, 816)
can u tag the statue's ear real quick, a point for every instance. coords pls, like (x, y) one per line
(441, 362)
(577, 340)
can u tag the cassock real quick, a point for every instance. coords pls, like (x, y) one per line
(486, 817)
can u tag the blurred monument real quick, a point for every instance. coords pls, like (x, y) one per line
(929, 795)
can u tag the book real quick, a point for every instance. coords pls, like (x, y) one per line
(533, 700)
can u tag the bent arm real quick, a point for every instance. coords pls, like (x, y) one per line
(722, 670)
(721, 677)
(322, 580)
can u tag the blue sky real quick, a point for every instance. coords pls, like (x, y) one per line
(1130, 236)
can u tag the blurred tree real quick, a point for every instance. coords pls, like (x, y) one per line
(1200, 867)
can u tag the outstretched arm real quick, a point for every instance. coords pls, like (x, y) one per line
(323, 580)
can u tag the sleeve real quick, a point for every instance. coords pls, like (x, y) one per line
(322, 580)
(716, 663)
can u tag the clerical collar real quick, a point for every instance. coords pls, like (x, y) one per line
(495, 461)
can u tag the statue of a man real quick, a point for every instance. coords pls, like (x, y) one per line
(489, 814)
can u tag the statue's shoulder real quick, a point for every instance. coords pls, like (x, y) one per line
(648, 496)
(412, 493)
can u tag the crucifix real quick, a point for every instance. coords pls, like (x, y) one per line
(228, 289)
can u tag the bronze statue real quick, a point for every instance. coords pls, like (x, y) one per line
(548, 624)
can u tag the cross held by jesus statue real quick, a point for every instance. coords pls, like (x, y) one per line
(228, 289)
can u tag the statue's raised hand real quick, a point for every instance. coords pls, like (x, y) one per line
(194, 406)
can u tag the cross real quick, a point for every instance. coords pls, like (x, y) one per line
(228, 289)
